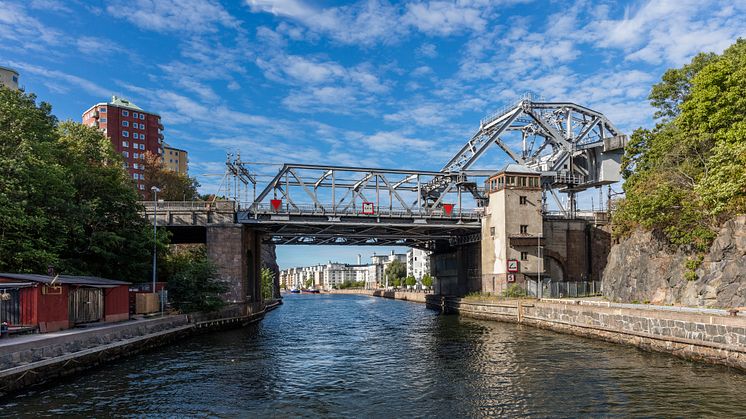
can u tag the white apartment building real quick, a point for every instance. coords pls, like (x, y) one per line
(418, 263)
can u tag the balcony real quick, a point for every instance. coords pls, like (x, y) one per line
(160, 136)
(95, 115)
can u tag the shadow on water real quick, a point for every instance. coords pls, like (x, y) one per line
(347, 355)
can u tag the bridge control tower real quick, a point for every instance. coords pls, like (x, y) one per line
(512, 228)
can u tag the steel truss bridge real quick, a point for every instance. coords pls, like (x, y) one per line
(573, 147)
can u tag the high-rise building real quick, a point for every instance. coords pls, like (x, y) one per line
(175, 159)
(418, 263)
(132, 131)
(9, 78)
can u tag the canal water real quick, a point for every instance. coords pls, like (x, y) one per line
(356, 356)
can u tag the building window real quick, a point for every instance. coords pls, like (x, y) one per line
(492, 231)
(125, 134)
(524, 229)
(142, 126)
(126, 154)
(524, 255)
(142, 187)
(142, 116)
(134, 115)
(102, 110)
(142, 136)
(125, 113)
(136, 156)
(524, 200)
(136, 166)
(103, 119)
(125, 144)
(125, 123)
(142, 146)
(15, 79)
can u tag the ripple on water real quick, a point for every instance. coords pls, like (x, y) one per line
(353, 356)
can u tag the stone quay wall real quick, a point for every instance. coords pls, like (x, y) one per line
(712, 336)
(40, 360)
(417, 297)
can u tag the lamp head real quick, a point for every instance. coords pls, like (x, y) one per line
(155, 189)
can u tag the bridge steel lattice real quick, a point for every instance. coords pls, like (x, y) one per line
(573, 147)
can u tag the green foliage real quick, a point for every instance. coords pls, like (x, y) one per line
(395, 271)
(174, 186)
(688, 173)
(692, 264)
(410, 281)
(308, 283)
(427, 280)
(192, 283)
(351, 284)
(268, 283)
(65, 199)
(514, 291)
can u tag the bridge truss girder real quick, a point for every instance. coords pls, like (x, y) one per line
(575, 144)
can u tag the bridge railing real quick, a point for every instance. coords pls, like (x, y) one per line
(311, 209)
(223, 206)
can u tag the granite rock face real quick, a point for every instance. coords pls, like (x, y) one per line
(643, 268)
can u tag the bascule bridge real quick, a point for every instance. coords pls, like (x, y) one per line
(486, 228)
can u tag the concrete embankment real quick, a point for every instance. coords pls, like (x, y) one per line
(418, 297)
(713, 336)
(707, 335)
(32, 360)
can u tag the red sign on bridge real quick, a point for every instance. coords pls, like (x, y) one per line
(276, 203)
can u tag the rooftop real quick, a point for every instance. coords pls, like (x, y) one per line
(124, 103)
(9, 69)
(92, 281)
(518, 169)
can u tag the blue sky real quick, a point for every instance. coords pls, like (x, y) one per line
(367, 83)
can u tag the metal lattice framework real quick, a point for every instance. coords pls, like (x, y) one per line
(573, 147)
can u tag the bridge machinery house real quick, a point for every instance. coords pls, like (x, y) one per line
(512, 228)
(50, 304)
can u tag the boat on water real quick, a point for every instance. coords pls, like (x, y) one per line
(309, 291)
(294, 291)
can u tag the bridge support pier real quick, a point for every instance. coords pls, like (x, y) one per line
(456, 270)
(236, 250)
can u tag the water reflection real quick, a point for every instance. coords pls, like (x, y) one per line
(351, 356)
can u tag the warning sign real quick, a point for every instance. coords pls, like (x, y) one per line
(369, 208)
(512, 265)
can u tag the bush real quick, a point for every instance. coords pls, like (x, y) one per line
(514, 291)
(192, 281)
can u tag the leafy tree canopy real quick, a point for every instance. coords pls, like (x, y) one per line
(65, 199)
(688, 173)
(174, 186)
(192, 280)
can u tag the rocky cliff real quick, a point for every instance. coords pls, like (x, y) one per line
(643, 268)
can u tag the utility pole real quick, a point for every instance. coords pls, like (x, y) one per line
(155, 229)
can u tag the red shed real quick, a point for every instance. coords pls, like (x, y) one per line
(55, 303)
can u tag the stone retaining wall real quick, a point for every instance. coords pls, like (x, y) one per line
(708, 336)
(418, 297)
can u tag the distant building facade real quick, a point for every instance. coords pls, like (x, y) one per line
(132, 131)
(9, 78)
(332, 274)
(418, 263)
(176, 159)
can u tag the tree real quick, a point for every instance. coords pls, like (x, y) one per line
(688, 173)
(174, 186)
(192, 281)
(410, 281)
(427, 281)
(65, 198)
(105, 223)
(395, 271)
(268, 283)
(308, 283)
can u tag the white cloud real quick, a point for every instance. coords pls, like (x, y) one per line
(444, 17)
(173, 15)
(61, 82)
(20, 30)
(427, 50)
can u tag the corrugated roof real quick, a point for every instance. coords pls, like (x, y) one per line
(517, 168)
(92, 281)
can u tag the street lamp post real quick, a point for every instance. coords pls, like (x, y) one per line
(155, 229)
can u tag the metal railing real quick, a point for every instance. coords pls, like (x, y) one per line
(191, 205)
(311, 209)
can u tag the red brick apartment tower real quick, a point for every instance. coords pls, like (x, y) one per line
(132, 131)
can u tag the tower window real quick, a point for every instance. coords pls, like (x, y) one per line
(524, 200)
(524, 229)
(524, 255)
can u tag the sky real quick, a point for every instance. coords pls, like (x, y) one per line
(360, 83)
